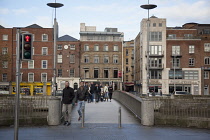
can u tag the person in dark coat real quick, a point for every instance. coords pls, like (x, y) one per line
(92, 90)
(67, 98)
(97, 92)
(110, 89)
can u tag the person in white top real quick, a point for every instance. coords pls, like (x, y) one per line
(106, 92)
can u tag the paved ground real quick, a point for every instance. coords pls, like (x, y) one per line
(101, 124)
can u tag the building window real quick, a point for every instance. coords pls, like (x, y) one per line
(191, 74)
(115, 74)
(96, 48)
(72, 47)
(116, 48)
(206, 31)
(126, 52)
(155, 74)
(95, 73)
(191, 49)
(126, 78)
(4, 77)
(72, 73)
(106, 73)
(59, 58)
(155, 50)
(44, 77)
(126, 61)
(44, 64)
(206, 75)
(207, 61)
(72, 58)
(5, 64)
(191, 61)
(106, 59)
(30, 77)
(176, 62)
(155, 36)
(87, 74)
(44, 50)
(188, 36)
(178, 74)
(126, 69)
(175, 50)
(44, 37)
(160, 24)
(155, 62)
(5, 37)
(154, 24)
(172, 36)
(59, 47)
(207, 47)
(115, 59)
(106, 48)
(31, 64)
(86, 48)
(4, 50)
(59, 72)
(96, 59)
(86, 59)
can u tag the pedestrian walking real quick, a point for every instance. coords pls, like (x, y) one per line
(89, 94)
(106, 92)
(110, 92)
(97, 92)
(92, 90)
(67, 98)
(81, 97)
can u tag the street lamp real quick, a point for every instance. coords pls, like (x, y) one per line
(55, 5)
(148, 7)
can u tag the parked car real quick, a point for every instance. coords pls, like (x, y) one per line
(181, 93)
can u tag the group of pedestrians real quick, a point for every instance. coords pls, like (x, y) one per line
(87, 92)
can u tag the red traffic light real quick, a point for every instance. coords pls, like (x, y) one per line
(27, 38)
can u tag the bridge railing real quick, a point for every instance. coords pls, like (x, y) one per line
(142, 108)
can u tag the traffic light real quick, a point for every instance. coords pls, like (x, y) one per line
(27, 46)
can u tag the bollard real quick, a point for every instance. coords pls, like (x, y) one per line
(54, 114)
(119, 118)
(83, 116)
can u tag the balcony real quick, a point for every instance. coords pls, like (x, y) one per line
(176, 54)
(176, 68)
(160, 54)
(184, 38)
(158, 67)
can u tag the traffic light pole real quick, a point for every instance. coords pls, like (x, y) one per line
(17, 84)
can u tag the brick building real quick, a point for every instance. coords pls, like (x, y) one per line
(101, 55)
(68, 60)
(128, 65)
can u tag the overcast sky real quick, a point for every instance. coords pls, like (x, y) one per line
(125, 15)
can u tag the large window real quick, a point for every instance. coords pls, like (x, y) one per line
(126, 52)
(172, 36)
(188, 36)
(155, 36)
(155, 50)
(44, 50)
(106, 73)
(106, 48)
(178, 74)
(31, 64)
(4, 50)
(115, 59)
(30, 77)
(207, 60)
(191, 61)
(44, 64)
(115, 48)
(176, 62)
(96, 48)
(191, 74)
(86, 59)
(155, 62)
(126, 61)
(44, 77)
(5, 64)
(96, 59)
(126, 69)
(72, 73)
(191, 49)
(59, 72)
(175, 50)
(115, 74)
(87, 74)
(106, 59)
(206, 74)
(207, 47)
(72, 47)
(59, 58)
(59, 47)
(4, 77)
(96, 73)
(5, 37)
(44, 37)
(155, 74)
(86, 48)
(72, 58)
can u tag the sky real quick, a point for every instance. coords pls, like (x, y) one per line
(125, 15)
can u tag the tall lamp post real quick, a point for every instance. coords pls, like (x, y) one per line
(54, 5)
(148, 7)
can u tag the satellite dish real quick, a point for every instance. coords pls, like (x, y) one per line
(65, 46)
